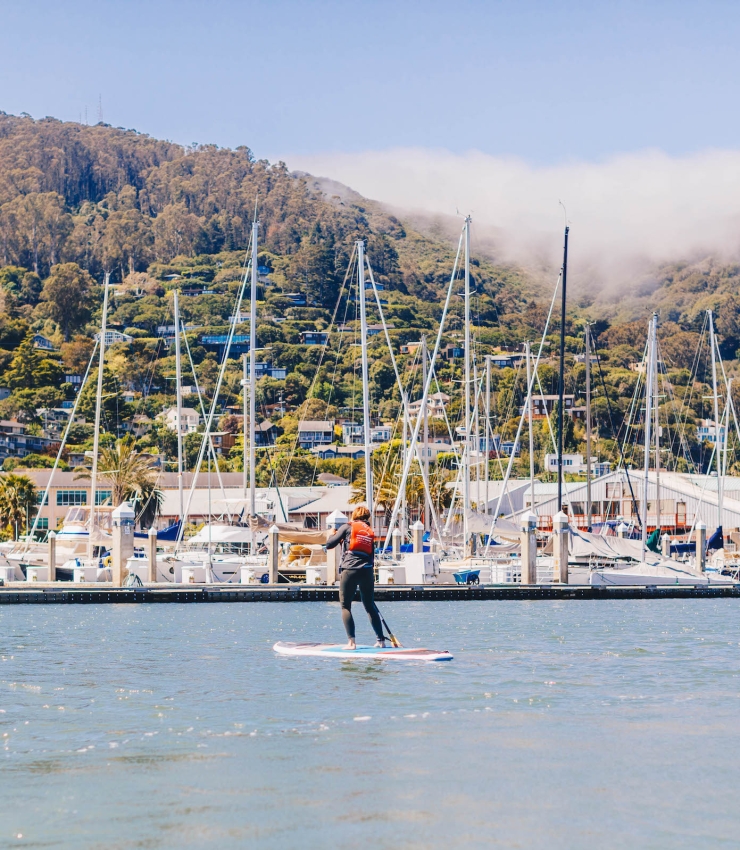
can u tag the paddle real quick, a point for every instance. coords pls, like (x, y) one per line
(394, 640)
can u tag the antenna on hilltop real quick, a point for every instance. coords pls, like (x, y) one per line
(100, 108)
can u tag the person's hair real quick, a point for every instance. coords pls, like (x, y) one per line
(360, 514)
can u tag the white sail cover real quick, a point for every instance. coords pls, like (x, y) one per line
(221, 534)
(583, 544)
(481, 524)
(647, 574)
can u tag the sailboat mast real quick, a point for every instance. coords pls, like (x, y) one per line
(530, 390)
(178, 402)
(656, 409)
(488, 424)
(648, 436)
(466, 382)
(718, 441)
(588, 427)
(245, 416)
(253, 372)
(365, 377)
(476, 433)
(425, 437)
(98, 404)
(561, 374)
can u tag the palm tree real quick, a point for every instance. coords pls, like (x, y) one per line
(17, 496)
(132, 476)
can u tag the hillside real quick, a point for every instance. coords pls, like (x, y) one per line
(77, 201)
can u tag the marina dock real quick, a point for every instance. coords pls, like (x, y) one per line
(105, 595)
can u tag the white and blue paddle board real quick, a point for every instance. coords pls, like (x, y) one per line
(335, 650)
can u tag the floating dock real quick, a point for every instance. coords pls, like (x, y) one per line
(100, 594)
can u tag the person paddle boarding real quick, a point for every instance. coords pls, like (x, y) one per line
(357, 569)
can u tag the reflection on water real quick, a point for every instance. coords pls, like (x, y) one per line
(558, 725)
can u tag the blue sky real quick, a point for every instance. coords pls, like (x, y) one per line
(545, 82)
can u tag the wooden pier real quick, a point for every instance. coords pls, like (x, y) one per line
(100, 594)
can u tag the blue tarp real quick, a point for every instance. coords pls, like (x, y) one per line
(168, 534)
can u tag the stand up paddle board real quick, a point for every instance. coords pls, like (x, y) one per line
(335, 650)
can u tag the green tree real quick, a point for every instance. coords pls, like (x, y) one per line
(29, 368)
(68, 296)
(17, 497)
(131, 476)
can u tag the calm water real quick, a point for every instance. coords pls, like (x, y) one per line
(572, 724)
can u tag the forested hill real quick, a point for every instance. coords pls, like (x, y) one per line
(78, 201)
(117, 200)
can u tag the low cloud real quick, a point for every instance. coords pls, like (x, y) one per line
(627, 213)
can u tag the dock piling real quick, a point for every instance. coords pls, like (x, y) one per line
(123, 541)
(334, 522)
(701, 546)
(396, 543)
(665, 545)
(152, 554)
(561, 548)
(52, 555)
(417, 537)
(529, 548)
(274, 553)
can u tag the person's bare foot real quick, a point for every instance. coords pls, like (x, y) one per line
(380, 643)
(350, 644)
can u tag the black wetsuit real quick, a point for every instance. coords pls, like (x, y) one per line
(356, 569)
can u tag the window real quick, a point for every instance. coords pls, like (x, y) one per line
(102, 496)
(40, 498)
(65, 498)
(613, 491)
(42, 524)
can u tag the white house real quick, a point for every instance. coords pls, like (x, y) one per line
(114, 336)
(315, 432)
(190, 420)
(575, 464)
(707, 431)
(353, 434)
(436, 405)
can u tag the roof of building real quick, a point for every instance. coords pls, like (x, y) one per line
(185, 411)
(316, 425)
(334, 499)
(331, 479)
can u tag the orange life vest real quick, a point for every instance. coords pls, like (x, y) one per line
(361, 538)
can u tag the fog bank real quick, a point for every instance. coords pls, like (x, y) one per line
(626, 213)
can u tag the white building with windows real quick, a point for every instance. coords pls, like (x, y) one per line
(706, 431)
(353, 434)
(575, 465)
(189, 423)
(114, 336)
(315, 432)
(436, 405)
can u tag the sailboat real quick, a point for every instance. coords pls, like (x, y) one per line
(667, 571)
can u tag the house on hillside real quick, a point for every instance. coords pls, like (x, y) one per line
(265, 433)
(353, 434)
(42, 343)
(334, 452)
(436, 405)
(112, 337)
(506, 361)
(314, 337)
(313, 433)
(707, 431)
(575, 464)
(189, 422)
(544, 405)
